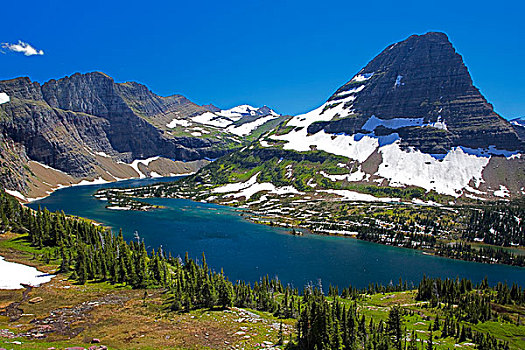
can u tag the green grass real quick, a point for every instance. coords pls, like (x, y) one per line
(510, 332)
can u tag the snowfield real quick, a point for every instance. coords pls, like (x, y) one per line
(250, 187)
(246, 128)
(212, 119)
(14, 275)
(447, 176)
(4, 98)
(225, 118)
(136, 162)
(240, 111)
(327, 111)
(356, 196)
(451, 173)
(358, 147)
(176, 122)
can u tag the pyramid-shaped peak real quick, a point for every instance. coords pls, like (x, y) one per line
(423, 78)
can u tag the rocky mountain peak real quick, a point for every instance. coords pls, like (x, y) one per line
(265, 110)
(421, 78)
(22, 88)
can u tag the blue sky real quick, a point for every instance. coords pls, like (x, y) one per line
(290, 55)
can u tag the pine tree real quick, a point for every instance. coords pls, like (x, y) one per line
(80, 268)
(394, 324)
(430, 344)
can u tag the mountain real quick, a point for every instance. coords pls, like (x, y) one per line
(241, 120)
(518, 121)
(411, 121)
(519, 126)
(87, 126)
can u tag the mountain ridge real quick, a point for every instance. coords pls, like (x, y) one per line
(88, 126)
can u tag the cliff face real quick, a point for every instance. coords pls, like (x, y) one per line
(79, 123)
(127, 108)
(422, 77)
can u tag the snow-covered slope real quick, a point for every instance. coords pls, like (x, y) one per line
(240, 120)
(518, 121)
(240, 111)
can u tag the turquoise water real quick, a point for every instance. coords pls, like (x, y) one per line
(249, 251)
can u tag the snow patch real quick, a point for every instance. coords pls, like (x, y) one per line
(4, 98)
(97, 181)
(237, 186)
(354, 90)
(303, 120)
(362, 77)
(238, 112)
(265, 186)
(398, 81)
(394, 123)
(47, 166)
(429, 203)
(176, 122)
(250, 187)
(118, 208)
(16, 194)
(212, 119)
(502, 192)
(246, 128)
(102, 154)
(14, 275)
(439, 124)
(136, 162)
(325, 112)
(356, 196)
(356, 176)
(491, 150)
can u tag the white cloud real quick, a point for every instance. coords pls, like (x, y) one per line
(22, 47)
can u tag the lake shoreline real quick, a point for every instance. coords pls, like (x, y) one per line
(227, 238)
(251, 216)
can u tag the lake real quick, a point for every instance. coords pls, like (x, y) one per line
(249, 251)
